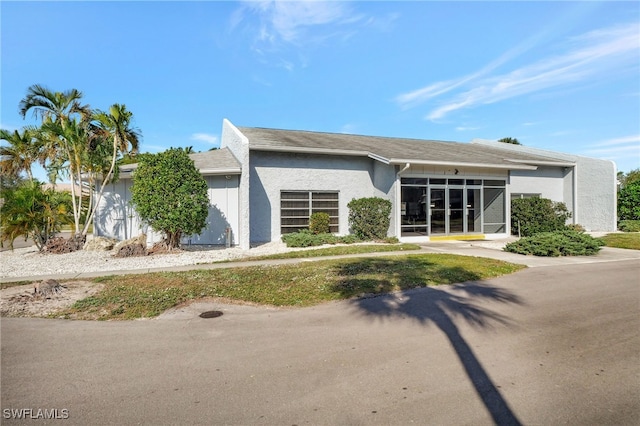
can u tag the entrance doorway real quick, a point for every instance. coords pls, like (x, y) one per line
(448, 210)
(438, 207)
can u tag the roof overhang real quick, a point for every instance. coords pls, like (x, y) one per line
(400, 161)
(543, 163)
(128, 172)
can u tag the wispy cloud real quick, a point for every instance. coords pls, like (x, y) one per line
(626, 149)
(291, 22)
(585, 57)
(205, 137)
(283, 32)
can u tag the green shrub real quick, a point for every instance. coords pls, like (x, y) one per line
(305, 238)
(557, 243)
(575, 227)
(319, 223)
(349, 239)
(369, 217)
(629, 225)
(629, 201)
(530, 216)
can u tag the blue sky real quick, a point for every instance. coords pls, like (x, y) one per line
(563, 76)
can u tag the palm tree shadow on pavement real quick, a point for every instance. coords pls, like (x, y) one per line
(440, 307)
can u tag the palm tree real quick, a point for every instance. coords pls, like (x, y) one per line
(114, 126)
(22, 151)
(52, 106)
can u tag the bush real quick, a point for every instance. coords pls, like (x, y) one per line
(306, 238)
(170, 195)
(629, 201)
(369, 217)
(558, 243)
(629, 225)
(319, 223)
(575, 227)
(530, 216)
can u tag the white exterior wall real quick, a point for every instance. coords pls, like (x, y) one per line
(590, 194)
(596, 193)
(238, 144)
(546, 181)
(116, 218)
(223, 212)
(272, 172)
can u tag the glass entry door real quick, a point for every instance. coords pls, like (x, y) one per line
(447, 211)
(438, 211)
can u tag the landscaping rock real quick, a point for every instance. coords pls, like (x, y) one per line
(140, 239)
(59, 245)
(100, 244)
(130, 250)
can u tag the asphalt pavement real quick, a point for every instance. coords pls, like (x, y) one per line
(551, 344)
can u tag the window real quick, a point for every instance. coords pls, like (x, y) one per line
(297, 206)
(519, 196)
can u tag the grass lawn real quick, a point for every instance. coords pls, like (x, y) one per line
(627, 240)
(304, 284)
(339, 250)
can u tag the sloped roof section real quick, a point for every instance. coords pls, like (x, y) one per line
(392, 150)
(216, 162)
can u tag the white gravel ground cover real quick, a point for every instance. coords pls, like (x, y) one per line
(26, 262)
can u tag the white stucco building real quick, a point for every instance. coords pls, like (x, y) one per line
(267, 182)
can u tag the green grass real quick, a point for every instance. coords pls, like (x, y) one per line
(299, 285)
(629, 240)
(339, 251)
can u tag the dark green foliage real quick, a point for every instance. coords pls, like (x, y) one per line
(319, 223)
(558, 243)
(170, 195)
(512, 141)
(29, 211)
(629, 201)
(530, 216)
(306, 238)
(629, 225)
(369, 217)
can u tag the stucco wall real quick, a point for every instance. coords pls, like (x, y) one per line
(238, 144)
(546, 181)
(116, 218)
(272, 172)
(597, 208)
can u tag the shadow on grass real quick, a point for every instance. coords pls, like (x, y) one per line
(437, 306)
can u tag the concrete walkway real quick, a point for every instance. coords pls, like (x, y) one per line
(491, 250)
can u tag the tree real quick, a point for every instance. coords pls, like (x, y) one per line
(629, 201)
(512, 141)
(170, 195)
(80, 144)
(628, 178)
(113, 126)
(52, 106)
(20, 154)
(29, 211)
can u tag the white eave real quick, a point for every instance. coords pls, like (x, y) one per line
(543, 163)
(400, 161)
(210, 172)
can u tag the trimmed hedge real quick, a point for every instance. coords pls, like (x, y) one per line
(369, 217)
(530, 216)
(558, 243)
(306, 238)
(319, 223)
